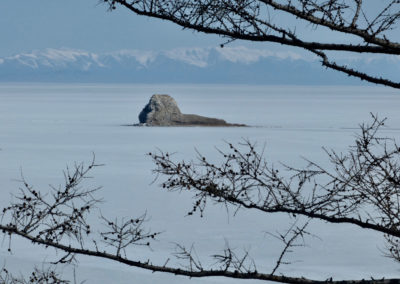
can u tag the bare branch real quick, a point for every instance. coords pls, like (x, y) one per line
(289, 240)
(250, 20)
(363, 189)
(244, 177)
(41, 276)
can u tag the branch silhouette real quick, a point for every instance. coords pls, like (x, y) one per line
(361, 188)
(251, 20)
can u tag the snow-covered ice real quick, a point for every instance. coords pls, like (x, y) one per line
(44, 127)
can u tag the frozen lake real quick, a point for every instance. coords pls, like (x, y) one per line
(43, 128)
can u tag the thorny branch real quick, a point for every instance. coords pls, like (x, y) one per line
(123, 233)
(59, 219)
(362, 187)
(290, 241)
(231, 260)
(42, 276)
(251, 20)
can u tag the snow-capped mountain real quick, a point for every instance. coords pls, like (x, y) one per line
(182, 65)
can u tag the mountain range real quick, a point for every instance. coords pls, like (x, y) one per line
(183, 65)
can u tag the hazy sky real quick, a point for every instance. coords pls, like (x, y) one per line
(84, 24)
(27, 25)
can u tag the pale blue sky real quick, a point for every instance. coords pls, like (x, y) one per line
(84, 24)
(27, 25)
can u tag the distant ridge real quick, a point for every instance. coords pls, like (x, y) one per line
(228, 65)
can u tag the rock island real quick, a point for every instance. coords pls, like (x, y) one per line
(162, 110)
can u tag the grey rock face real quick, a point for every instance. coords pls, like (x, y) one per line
(162, 110)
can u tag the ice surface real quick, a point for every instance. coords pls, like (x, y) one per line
(45, 127)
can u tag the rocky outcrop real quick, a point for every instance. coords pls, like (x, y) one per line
(162, 110)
